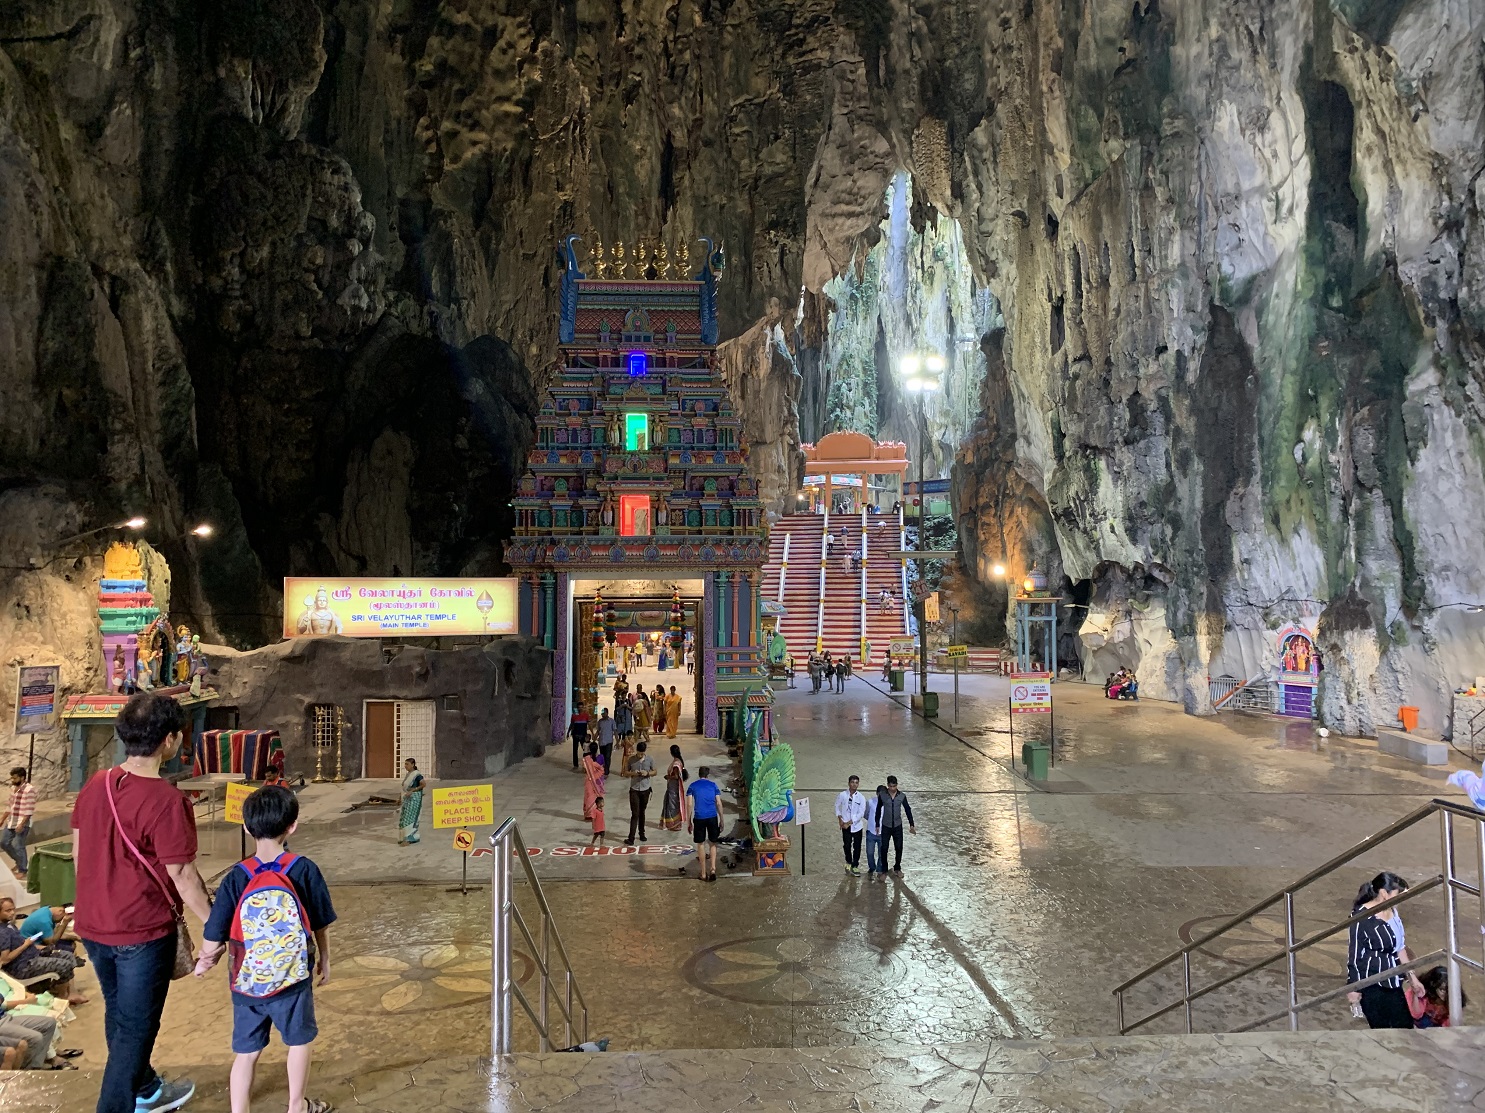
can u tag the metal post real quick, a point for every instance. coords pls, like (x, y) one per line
(546, 1042)
(1186, 955)
(955, 610)
(500, 950)
(1451, 901)
(1120, 996)
(1480, 873)
(1292, 962)
(922, 543)
(568, 1015)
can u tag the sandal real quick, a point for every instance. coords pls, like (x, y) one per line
(60, 1064)
(71, 1052)
(315, 1105)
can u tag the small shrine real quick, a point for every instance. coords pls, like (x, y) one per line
(1036, 625)
(140, 653)
(857, 465)
(638, 472)
(1299, 672)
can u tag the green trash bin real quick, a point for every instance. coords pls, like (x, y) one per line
(1034, 756)
(926, 703)
(52, 875)
(896, 680)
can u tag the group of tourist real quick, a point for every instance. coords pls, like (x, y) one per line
(639, 769)
(879, 820)
(1378, 945)
(636, 716)
(823, 669)
(1122, 684)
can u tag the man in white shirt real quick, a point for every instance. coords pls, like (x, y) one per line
(850, 812)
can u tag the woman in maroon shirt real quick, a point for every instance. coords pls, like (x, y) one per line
(126, 907)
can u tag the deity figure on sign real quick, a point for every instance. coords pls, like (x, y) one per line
(317, 617)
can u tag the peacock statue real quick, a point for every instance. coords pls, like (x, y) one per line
(770, 783)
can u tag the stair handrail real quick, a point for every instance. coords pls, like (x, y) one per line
(784, 569)
(820, 604)
(1447, 811)
(907, 623)
(1243, 686)
(861, 643)
(507, 844)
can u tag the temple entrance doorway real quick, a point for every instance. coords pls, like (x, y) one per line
(640, 614)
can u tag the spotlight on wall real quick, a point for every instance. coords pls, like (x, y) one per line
(133, 523)
(998, 570)
(205, 529)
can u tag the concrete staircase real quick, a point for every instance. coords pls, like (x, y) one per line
(833, 619)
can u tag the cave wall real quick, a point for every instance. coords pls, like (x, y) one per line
(289, 267)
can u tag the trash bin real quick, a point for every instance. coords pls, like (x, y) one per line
(1034, 756)
(1409, 717)
(896, 680)
(52, 875)
(926, 703)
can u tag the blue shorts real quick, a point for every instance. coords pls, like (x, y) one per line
(291, 1012)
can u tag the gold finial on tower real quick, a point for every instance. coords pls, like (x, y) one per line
(596, 260)
(683, 259)
(640, 250)
(618, 258)
(662, 262)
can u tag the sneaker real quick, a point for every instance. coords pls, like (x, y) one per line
(855, 871)
(170, 1095)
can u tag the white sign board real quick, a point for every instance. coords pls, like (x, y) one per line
(1030, 696)
(802, 810)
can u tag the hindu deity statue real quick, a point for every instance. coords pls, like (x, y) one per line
(317, 617)
(145, 663)
(182, 654)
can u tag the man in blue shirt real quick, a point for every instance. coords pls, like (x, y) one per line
(705, 821)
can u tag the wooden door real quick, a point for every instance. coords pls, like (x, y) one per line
(381, 739)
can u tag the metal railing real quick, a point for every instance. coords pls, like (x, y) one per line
(1228, 693)
(1475, 727)
(1447, 878)
(507, 845)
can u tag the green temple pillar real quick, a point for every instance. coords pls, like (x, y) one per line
(549, 610)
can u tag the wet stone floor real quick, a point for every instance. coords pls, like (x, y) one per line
(1019, 908)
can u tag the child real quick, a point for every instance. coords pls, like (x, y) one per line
(274, 908)
(1430, 1007)
(598, 827)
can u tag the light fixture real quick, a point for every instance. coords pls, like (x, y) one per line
(132, 523)
(998, 570)
(1029, 584)
(910, 366)
(934, 363)
(205, 529)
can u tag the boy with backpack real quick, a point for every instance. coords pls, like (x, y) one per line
(270, 915)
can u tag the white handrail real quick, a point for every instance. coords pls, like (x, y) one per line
(507, 844)
(862, 646)
(784, 569)
(907, 626)
(820, 605)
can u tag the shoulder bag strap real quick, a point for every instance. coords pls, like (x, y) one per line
(108, 788)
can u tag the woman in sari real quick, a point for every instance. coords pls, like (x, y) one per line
(672, 712)
(624, 729)
(592, 779)
(673, 810)
(642, 715)
(412, 804)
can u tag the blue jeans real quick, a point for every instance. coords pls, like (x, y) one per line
(875, 862)
(134, 978)
(13, 842)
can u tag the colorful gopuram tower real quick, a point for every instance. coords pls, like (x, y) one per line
(125, 608)
(638, 474)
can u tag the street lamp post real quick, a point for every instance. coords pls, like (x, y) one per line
(954, 637)
(922, 373)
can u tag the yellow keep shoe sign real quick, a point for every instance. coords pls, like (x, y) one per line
(463, 806)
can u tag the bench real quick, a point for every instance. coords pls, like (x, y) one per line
(1413, 747)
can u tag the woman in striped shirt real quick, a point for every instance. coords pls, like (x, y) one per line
(1373, 950)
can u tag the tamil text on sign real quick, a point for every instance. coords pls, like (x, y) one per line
(1030, 695)
(930, 607)
(464, 806)
(36, 697)
(363, 608)
(956, 651)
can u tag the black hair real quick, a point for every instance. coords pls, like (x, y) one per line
(598, 799)
(1436, 986)
(1370, 891)
(705, 770)
(853, 777)
(146, 721)
(675, 752)
(269, 812)
(21, 769)
(640, 748)
(891, 780)
(592, 749)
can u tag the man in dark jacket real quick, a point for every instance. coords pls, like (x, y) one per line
(892, 809)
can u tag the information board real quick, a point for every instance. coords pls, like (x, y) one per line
(365, 608)
(954, 651)
(1031, 695)
(232, 804)
(36, 697)
(930, 608)
(463, 806)
(802, 810)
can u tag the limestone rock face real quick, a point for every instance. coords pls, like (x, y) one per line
(290, 267)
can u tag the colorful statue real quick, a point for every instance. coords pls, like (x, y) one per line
(182, 654)
(116, 670)
(123, 562)
(144, 663)
(608, 511)
(162, 663)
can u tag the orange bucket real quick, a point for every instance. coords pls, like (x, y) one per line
(1409, 717)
